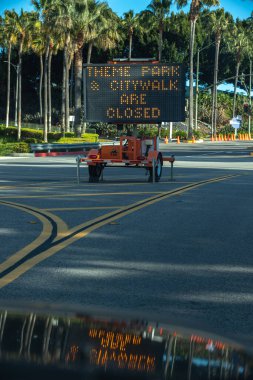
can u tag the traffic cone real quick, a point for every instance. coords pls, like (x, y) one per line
(212, 138)
(166, 140)
(225, 138)
(193, 140)
(178, 140)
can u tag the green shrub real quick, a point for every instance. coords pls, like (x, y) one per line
(181, 134)
(69, 134)
(30, 140)
(31, 133)
(54, 136)
(86, 137)
(8, 148)
(90, 137)
(148, 131)
(70, 140)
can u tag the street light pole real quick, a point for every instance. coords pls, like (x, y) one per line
(197, 92)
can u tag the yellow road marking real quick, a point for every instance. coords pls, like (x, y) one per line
(45, 233)
(97, 223)
(52, 196)
(82, 208)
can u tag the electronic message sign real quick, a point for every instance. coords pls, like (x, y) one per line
(134, 93)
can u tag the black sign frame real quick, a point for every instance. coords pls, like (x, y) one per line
(134, 93)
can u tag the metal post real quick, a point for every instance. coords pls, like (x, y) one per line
(250, 85)
(197, 92)
(153, 170)
(16, 98)
(78, 169)
(171, 168)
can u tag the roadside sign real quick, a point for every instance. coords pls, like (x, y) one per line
(236, 123)
(134, 93)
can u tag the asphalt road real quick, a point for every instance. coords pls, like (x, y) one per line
(179, 251)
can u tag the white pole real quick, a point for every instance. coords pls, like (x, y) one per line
(171, 126)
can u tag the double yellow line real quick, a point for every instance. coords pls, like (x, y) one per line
(55, 236)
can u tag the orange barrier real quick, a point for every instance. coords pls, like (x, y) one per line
(178, 140)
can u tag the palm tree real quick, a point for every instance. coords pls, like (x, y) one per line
(38, 46)
(238, 44)
(219, 23)
(130, 23)
(24, 23)
(59, 16)
(156, 17)
(87, 13)
(9, 31)
(195, 8)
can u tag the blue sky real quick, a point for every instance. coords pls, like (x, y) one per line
(239, 8)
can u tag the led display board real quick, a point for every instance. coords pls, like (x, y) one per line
(134, 93)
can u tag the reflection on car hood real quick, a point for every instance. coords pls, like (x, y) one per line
(78, 346)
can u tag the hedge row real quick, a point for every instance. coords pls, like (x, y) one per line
(7, 149)
(36, 136)
(28, 135)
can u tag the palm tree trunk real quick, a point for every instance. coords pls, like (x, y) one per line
(49, 91)
(20, 87)
(71, 86)
(89, 52)
(130, 46)
(160, 44)
(236, 81)
(63, 114)
(40, 90)
(67, 96)
(46, 94)
(84, 125)
(78, 91)
(215, 80)
(8, 86)
(192, 38)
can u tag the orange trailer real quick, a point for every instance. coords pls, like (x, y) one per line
(129, 152)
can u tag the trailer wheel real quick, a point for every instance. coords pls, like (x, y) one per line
(158, 169)
(95, 173)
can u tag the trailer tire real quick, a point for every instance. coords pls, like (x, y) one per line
(158, 169)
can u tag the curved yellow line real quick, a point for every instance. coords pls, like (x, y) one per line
(45, 233)
(134, 207)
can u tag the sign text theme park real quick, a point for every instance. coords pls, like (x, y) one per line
(136, 93)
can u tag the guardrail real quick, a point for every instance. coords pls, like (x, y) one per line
(44, 150)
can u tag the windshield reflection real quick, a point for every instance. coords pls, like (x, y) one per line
(102, 348)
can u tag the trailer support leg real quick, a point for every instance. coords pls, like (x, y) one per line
(78, 169)
(171, 171)
(153, 170)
